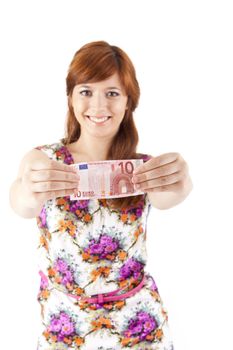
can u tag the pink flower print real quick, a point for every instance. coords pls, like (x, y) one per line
(67, 328)
(135, 328)
(139, 212)
(64, 317)
(43, 283)
(108, 243)
(68, 159)
(96, 248)
(67, 277)
(63, 269)
(78, 204)
(55, 325)
(62, 325)
(61, 265)
(103, 247)
(43, 217)
(154, 286)
(145, 157)
(105, 239)
(111, 247)
(141, 326)
(131, 268)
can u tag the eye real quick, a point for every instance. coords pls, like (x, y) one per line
(81, 92)
(86, 93)
(114, 92)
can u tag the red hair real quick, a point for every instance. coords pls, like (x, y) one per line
(94, 62)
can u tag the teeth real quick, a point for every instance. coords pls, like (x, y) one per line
(98, 120)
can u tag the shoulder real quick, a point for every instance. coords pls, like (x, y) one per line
(49, 147)
(35, 154)
(55, 150)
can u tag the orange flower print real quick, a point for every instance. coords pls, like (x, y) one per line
(67, 226)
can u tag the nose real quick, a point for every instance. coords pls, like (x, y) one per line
(98, 102)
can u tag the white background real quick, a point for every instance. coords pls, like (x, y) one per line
(182, 52)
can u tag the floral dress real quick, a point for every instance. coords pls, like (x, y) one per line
(85, 248)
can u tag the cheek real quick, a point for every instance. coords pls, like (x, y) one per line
(119, 109)
(79, 107)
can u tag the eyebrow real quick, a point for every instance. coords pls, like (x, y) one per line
(88, 86)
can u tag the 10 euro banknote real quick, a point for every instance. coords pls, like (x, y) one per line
(106, 179)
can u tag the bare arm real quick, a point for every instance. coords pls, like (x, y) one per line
(165, 178)
(16, 198)
(167, 200)
(40, 179)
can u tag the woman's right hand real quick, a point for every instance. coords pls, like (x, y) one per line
(43, 179)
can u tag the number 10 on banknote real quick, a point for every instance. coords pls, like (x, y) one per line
(106, 179)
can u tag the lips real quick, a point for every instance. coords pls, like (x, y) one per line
(98, 120)
(99, 116)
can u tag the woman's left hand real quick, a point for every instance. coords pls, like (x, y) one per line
(167, 172)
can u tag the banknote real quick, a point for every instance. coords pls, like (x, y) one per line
(106, 179)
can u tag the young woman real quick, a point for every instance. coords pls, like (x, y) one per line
(95, 292)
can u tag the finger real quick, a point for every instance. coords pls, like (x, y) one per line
(43, 197)
(156, 162)
(48, 186)
(155, 173)
(53, 175)
(161, 181)
(166, 188)
(61, 166)
(39, 164)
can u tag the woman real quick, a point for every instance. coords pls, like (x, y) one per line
(95, 292)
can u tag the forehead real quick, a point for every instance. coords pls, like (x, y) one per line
(113, 82)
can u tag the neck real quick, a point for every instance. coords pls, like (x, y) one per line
(93, 148)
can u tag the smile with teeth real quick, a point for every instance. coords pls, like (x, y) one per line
(98, 120)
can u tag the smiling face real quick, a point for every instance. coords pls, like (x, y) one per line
(100, 107)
